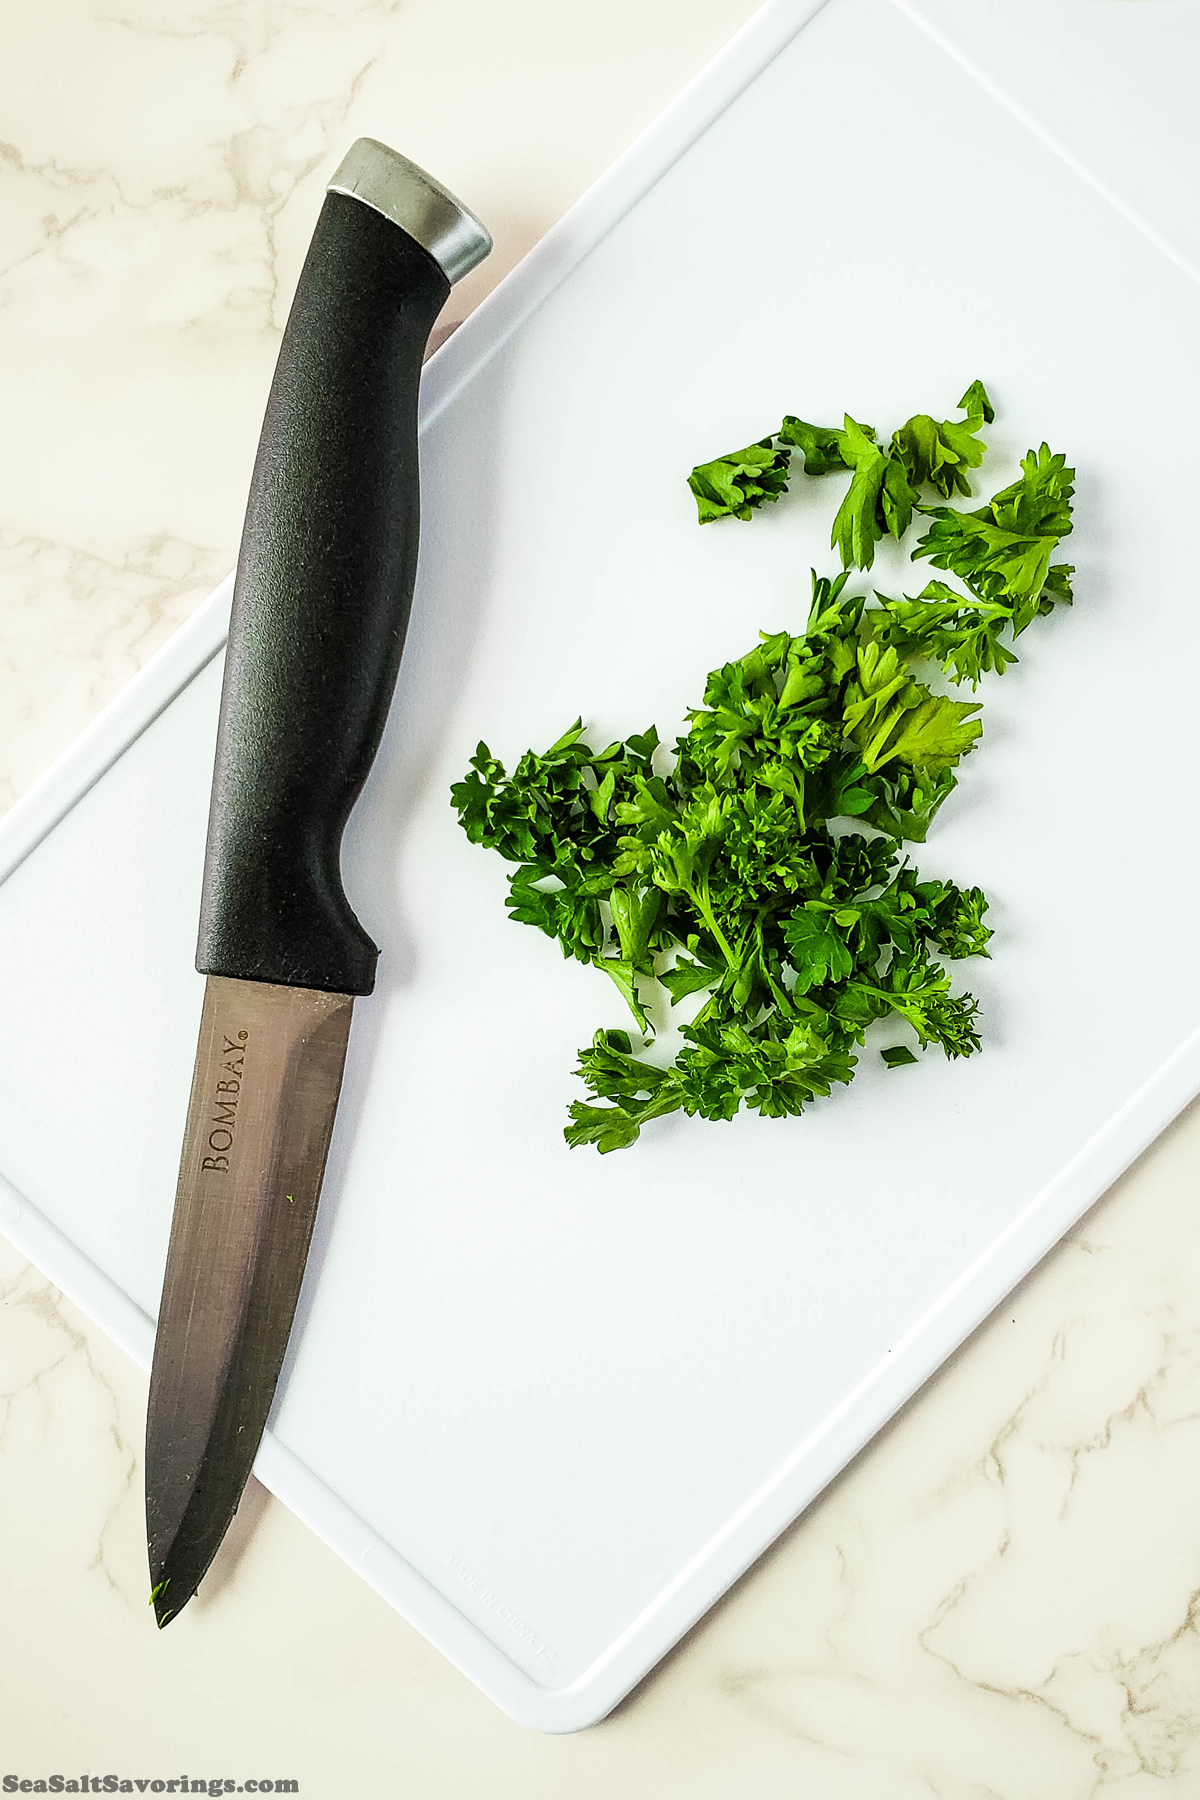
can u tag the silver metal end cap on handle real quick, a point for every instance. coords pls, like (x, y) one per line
(388, 182)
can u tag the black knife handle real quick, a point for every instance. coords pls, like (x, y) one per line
(321, 601)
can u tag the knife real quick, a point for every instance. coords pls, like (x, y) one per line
(321, 600)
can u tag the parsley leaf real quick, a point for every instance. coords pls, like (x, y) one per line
(1002, 552)
(860, 521)
(739, 482)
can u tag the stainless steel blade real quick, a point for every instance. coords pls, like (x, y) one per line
(268, 1074)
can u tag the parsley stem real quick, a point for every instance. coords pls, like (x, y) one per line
(700, 900)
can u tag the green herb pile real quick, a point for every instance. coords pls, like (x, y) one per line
(760, 865)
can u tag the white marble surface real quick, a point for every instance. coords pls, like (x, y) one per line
(998, 1601)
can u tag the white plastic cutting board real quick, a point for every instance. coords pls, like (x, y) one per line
(552, 1403)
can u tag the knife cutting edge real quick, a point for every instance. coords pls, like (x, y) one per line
(321, 599)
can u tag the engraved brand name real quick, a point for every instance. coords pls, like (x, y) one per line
(223, 1122)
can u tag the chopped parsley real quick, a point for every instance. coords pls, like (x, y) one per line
(758, 869)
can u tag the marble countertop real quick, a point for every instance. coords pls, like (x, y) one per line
(998, 1599)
